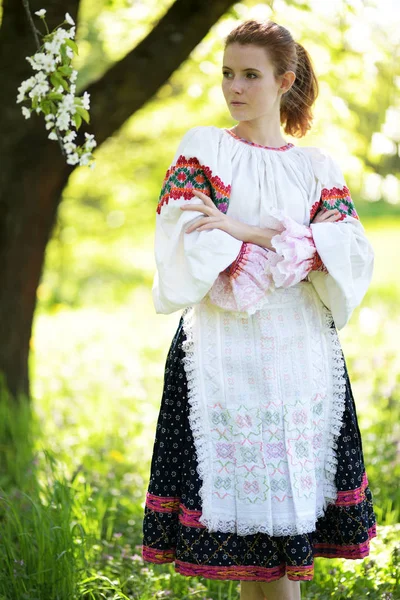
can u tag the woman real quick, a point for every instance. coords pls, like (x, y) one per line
(258, 464)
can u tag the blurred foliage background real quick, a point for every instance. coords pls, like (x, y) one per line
(98, 349)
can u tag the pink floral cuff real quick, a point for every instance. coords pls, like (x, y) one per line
(245, 281)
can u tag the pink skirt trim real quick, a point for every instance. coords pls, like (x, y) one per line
(254, 573)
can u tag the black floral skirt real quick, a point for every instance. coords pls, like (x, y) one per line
(171, 528)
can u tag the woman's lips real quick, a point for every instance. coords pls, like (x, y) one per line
(238, 103)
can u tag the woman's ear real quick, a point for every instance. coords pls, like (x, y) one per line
(287, 81)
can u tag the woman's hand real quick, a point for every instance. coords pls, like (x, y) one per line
(214, 218)
(326, 216)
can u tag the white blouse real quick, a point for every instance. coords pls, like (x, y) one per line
(246, 181)
(266, 378)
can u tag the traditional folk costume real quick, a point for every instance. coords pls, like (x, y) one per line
(257, 464)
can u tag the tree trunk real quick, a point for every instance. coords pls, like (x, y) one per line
(33, 172)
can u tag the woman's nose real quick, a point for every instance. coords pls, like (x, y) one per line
(236, 85)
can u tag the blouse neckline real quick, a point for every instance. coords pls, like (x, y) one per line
(240, 139)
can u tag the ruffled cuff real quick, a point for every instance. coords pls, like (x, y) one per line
(296, 254)
(245, 282)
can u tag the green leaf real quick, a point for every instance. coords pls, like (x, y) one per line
(77, 120)
(83, 113)
(55, 79)
(63, 50)
(72, 45)
(62, 82)
(54, 96)
(65, 70)
(45, 106)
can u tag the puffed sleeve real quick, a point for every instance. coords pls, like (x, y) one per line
(187, 264)
(342, 246)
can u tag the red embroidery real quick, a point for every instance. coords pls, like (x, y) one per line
(235, 267)
(338, 198)
(314, 209)
(188, 174)
(317, 264)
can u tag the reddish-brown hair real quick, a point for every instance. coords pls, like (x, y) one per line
(286, 55)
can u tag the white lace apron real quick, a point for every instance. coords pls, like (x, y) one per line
(267, 394)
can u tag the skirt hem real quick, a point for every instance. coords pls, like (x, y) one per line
(256, 573)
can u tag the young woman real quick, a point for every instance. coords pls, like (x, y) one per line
(258, 464)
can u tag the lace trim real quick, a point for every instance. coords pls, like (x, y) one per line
(197, 420)
(337, 365)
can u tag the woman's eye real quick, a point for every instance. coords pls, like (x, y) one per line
(225, 73)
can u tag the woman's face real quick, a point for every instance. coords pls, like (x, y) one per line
(247, 77)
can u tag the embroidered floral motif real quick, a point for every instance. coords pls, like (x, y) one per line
(340, 199)
(188, 174)
(332, 198)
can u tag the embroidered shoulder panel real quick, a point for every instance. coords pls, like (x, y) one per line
(188, 174)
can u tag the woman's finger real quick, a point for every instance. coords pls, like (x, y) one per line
(198, 223)
(206, 199)
(198, 207)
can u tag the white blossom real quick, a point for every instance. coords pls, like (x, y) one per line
(40, 77)
(69, 52)
(73, 159)
(67, 104)
(61, 34)
(85, 158)
(86, 100)
(26, 112)
(63, 121)
(69, 19)
(70, 136)
(73, 76)
(43, 62)
(69, 147)
(39, 90)
(53, 46)
(24, 87)
(40, 13)
(90, 141)
(71, 33)
(52, 136)
(49, 117)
